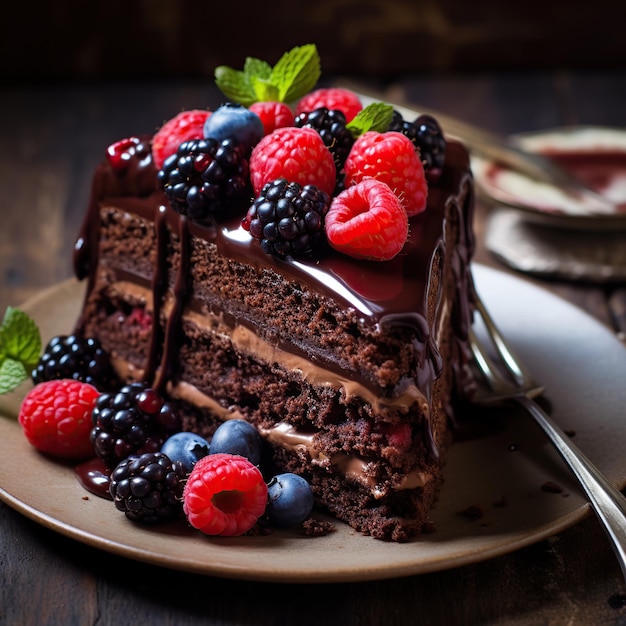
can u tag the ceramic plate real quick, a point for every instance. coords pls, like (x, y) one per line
(503, 475)
(595, 155)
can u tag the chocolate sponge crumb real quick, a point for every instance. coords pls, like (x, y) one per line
(317, 528)
(473, 512)
(551, 487)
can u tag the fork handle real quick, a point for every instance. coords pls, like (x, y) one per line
(608, 502)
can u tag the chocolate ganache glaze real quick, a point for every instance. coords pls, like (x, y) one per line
(385, 294)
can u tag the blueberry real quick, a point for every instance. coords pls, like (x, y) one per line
(233, 121)
(290, 500)
(238, 437)
(186, 448)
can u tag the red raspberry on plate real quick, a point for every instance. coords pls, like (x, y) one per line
(184, 126)
(273, 115)
(367, 221)
(336, 98)
(295, 154)
(225, 495)
(391, 158)
(56, 417)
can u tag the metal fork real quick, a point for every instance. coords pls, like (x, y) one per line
(508, 381)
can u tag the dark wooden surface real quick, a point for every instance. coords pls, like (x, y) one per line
(51, 137)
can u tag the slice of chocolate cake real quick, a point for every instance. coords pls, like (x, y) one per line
(347, 367)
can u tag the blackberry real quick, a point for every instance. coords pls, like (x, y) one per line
(75, 357)
(148, 488)
(206, 176)
(427, 137)
(331, 125)
(287, 218)
(134, 420)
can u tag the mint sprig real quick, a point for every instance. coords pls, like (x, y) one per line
(20, 347)
(375, 116)
(294, 75)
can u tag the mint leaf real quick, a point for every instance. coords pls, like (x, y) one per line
(264, 89)
(235, 85)
(255, 68)
(12, 373)
(20, 347)
(376, 116)
(296, 72)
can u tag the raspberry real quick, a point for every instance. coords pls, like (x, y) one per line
(367, 221)
(56, 417)
(399, 435)
(148, 488)
(391, 158)
(296, 154)
(184, 126)
(134, 420)
(286, 218)
(75, 357)
(332, 98)
(273, 115)
(225, 494)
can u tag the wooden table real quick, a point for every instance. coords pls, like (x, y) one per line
(51, 137)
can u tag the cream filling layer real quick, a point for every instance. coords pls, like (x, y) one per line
(282, 434)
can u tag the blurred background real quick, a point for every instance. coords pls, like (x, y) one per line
(143, 38)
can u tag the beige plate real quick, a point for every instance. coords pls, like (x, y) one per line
(580, 361)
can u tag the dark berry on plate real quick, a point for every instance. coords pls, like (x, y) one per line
(235, 122)
(77, 358)
(331, 125)
(427, 136)
(186, 448)
(148, 488)
(206, 176)
(288, 219)
(237, 437)
(290, 500)
(133, 420)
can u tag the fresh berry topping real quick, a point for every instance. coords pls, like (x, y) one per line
(290, 500)
(288, 219)
(297, 154)
(367, 221)
(233, 121)
(133, 420)
(427, 136)
(78, 358)
(331, 125)
(206, 177)
(183, 127)
(273, 115)
(331, 98)
(432, 145)
(399, 435)
(224, 495)
(391, 158)
(185, 448)
(56, 417)
(237, 437)
(148, 488)
(120, 153)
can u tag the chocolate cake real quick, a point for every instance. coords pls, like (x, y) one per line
(304, 269)
(348, 368)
